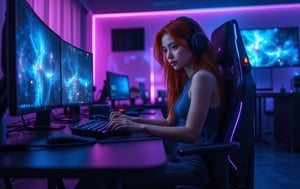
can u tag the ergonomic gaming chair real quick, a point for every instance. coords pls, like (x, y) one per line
(231, 161)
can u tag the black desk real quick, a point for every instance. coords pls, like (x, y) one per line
(286, 118)
(112, 160)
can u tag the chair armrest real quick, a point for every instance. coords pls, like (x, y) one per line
(211, 149)
(215, 158)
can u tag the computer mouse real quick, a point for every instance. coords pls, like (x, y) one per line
(64, 138)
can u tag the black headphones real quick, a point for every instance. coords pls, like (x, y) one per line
(198, 41)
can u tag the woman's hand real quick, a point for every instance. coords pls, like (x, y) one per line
(122, 122)
(115, 114)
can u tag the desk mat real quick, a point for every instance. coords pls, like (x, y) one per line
(128, 138)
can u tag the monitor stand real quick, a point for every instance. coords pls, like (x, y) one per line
(113, 103)
(43, 121)
(74, 114)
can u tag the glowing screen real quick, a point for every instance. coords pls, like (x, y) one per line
(35, 66)
(77, 75)
(118, 86)
(272, 47)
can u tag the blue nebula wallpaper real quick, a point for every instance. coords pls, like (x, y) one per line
(272, 47)
(37, 62)
(77, 75)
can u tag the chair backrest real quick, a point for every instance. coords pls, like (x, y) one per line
(238, 123)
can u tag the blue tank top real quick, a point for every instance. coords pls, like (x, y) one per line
(209, 130)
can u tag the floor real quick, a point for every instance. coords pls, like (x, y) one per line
(275, 168)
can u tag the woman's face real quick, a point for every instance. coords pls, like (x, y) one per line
(178, 56)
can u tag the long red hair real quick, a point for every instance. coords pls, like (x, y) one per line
(181, 32)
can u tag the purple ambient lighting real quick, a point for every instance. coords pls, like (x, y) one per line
(233, 132)
(130, 17)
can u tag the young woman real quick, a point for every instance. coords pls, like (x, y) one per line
(195, 101)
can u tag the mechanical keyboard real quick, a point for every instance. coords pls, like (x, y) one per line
(92, 128)
(97, 129)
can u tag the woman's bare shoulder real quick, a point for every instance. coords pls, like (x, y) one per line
(204, 75)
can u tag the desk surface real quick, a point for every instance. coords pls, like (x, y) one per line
(136, 157)
(117, 159)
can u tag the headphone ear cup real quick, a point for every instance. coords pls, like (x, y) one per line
(198, 42)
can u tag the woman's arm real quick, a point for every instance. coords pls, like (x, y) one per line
(202, 90)
(202, 93)
(169, 121)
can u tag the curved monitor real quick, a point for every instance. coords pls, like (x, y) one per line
(76, 75)
(118, 86)
(34, 80)
(272, 47)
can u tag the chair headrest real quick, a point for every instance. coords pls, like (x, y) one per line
(227, 41)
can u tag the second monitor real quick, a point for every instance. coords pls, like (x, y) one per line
(77, 75)
(118, 87)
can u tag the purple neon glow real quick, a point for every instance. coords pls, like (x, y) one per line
(152, 86)
(234, 129)
(96, 19)
(190, 11)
